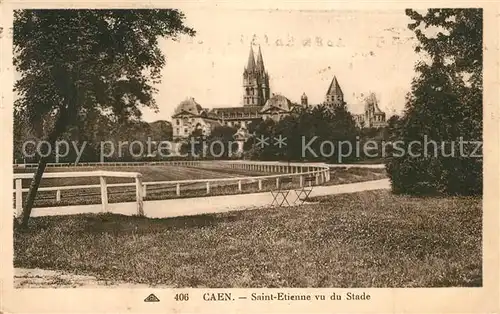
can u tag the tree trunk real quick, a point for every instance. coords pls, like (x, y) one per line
(59, 129)
(67, 116)
(30, 198)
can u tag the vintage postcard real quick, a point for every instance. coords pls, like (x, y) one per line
(250, 157)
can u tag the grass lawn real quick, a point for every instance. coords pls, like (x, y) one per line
(351, 175)
(367, 239)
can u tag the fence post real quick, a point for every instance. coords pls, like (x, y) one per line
(104, 194)
(144, 190)
(260, 184)
(208, 187)
(239, 185)
(19, 197)
(178, 189)
(138, 195)
(58, 195)
(301, 181)
(277, 182)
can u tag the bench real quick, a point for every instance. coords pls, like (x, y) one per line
(304, 190)
(280, 194)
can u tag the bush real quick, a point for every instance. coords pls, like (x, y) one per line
(444, 107)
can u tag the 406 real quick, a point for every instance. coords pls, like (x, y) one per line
(181, 297)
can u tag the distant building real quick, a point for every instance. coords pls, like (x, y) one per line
(259, 104)
(189, 116)
(278, 107)
(372, 117)
(334, 96)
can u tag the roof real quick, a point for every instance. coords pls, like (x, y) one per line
(189, 105)
(334, 88)
(251, 61)
(278, 102)
(260, 61)
(212, 123)
(233, 110)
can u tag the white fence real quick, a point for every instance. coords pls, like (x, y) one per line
(321, 174)
(102, 175)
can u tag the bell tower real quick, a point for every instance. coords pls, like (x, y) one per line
(334, 95)
(255, 81)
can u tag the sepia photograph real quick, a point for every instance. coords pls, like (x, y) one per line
(176, 148)
(152, 149)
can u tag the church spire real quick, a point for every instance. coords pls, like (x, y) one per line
(334, 96)
(260, 62)
(251, 61)
(255, 81)
(334, 88)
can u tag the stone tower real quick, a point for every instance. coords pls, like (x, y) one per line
(255, 81)
(303, 99)
(334, 96)
(374, 117)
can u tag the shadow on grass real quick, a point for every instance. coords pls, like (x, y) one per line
(117, 223)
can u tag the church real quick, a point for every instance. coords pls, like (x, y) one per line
(259, 103)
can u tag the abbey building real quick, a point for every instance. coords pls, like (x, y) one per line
(259, 103)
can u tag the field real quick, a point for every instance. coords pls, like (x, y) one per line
(172, 173)
(367, 239)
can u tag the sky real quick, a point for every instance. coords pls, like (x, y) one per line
(368, 51)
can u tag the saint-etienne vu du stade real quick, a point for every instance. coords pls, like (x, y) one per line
(281, 296)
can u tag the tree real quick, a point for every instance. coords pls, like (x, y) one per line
(444, 105)
(193, 147)
(227, 146)
(76, 63)
(303, 133)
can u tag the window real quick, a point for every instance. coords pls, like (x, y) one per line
(185, 130)
(177, 121)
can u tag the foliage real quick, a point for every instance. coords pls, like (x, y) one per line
(99, 129)
(193, 146)
(445, 105)
(103, 61)
(309, 127)
(76, 65)
(225, 135)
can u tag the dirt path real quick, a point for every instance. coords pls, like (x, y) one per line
(210, 204)
(41, 278)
